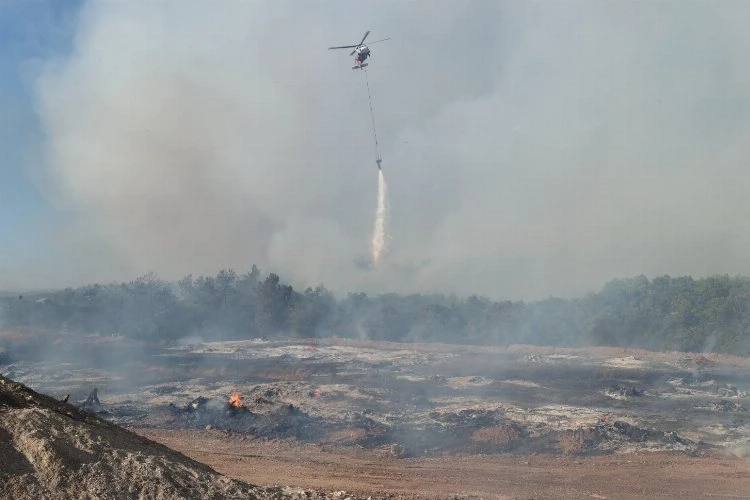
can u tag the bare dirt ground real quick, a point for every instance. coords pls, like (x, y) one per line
(367, 472)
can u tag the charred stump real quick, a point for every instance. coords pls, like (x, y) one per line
(93, 399)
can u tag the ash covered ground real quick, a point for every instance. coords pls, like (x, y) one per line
(409, 400)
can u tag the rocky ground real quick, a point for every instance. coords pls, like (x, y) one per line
(346, 411)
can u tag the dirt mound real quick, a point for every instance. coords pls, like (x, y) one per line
(501, 437)
(51, 449)
(620, 436)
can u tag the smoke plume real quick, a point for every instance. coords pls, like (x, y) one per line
(549, 147)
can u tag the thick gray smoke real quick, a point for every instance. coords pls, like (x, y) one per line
(535, 148)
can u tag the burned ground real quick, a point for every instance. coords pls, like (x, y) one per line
(423, 398)
(408, 401)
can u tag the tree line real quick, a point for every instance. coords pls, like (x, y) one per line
(699, 315)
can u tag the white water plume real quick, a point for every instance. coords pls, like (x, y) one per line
(380, 230)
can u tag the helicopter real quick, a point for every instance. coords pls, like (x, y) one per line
(362, 51)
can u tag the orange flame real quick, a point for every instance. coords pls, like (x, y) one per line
(235, 400)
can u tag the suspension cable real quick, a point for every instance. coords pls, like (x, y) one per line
(372, 115)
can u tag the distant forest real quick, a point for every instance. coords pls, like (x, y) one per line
(685, 314)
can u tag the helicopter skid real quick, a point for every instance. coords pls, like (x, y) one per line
(360, 66)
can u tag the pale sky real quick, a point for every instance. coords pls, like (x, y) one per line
(531, 148)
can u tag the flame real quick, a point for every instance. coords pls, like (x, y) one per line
(235, 400)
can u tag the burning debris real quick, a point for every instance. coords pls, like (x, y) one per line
(234, 400)
(282, 421)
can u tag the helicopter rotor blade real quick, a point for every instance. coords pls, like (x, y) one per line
(344, 47)
(376, 41)
(352, 52)
(363, 38)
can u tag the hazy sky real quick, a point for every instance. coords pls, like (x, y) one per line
(531, 148)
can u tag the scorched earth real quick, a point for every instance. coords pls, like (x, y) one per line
(430, 420)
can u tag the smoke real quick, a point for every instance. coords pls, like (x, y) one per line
(380, 230)
(549, 148)
(742, 451)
